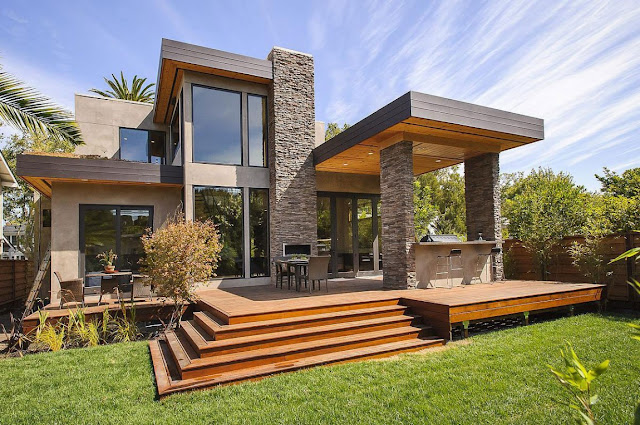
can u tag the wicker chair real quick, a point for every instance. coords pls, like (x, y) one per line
(282, 271)
(317, 271)
(70, 290)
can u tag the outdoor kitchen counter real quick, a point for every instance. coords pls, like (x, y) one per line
(427, 253)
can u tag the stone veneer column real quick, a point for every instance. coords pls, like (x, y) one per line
(398, 232)
(482, 197)
(292, 194)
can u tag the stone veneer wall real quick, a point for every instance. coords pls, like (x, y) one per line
(292, 194)
(398, 232)
(482, 197)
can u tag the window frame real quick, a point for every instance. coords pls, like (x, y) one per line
(242, 220)
(193, 125)
(118, 207)
(268, 224)
(164, 158)
(266, 131)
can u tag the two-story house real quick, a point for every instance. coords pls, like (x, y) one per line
(234, 139)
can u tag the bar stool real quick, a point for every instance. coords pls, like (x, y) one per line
(482, 262)
(446, 264)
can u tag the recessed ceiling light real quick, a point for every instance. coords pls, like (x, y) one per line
(370, 153)
(85, 180)
(345, 164)
(438, 160)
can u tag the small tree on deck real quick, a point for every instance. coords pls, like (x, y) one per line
(178, 257)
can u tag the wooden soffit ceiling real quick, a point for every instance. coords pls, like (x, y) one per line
(444, 132)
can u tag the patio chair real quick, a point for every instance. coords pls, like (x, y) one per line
(113, 284)
(70, 290)
(282, 271)
(317, 271)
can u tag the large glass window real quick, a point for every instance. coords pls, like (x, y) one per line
(257, 110)
(217, 126)
(176, 133)
(259, 231)
(224, 207)
(117, 228)
(142, 145)
(365, 235)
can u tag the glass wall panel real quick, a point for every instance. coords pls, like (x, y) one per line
(217, 126)
(176, 133)
(100, 234)
(379, 212)
(224, 207)
(142, 145)
(259, 231)
(324, 226)
(344, 234)
(133, 144)
(365, 234)
(257, 110)
(133, 224)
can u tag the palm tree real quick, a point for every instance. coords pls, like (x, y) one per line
(30, 112)
(120, 89)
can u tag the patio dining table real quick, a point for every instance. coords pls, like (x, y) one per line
(298, 266)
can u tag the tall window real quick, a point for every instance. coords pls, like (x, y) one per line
(257, 111)
(224, 207)
(117, 228)
(259, 231)
(176, 133)
(217, 126)
(142, 145)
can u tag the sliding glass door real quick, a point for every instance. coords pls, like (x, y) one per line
(348, 231)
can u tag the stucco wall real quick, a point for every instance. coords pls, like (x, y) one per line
(65, 217)
(346, 182)
(100, 120)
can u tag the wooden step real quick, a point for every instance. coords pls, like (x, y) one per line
(209, 348)
(191, 366)
(169, 382)
(292, 310)
(219, 331)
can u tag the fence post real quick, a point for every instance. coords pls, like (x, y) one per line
(14, 289)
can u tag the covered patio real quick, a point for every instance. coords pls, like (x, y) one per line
(415, 134)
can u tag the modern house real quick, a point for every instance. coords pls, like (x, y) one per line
(234, 139)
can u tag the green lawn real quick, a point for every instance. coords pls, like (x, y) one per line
(496, 378)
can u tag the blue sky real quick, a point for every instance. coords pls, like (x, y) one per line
(575, 64)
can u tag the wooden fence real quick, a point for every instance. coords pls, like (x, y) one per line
(16, 278)
(520, 264)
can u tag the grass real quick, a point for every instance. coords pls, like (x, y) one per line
(496, 378)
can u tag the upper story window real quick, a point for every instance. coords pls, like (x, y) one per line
(257, 118)
(176, 131)
(217, 126)
(142, 145)
(229, 127)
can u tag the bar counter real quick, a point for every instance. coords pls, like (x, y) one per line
(426, 256)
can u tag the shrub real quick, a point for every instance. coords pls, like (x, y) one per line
(179, 256)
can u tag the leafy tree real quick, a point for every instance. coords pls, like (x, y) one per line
(438, 201)
(178, 257)
(626, 185)
(541, 209)
(333, 129)
(32, 113)
(120, 89)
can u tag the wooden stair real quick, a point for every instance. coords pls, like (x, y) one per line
(208, 351)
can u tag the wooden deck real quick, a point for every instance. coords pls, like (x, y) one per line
(146, 310)
(253, 332)
(442, 306)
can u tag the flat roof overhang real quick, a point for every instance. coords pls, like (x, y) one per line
(177, 57)
(444, 132)
(40, 171)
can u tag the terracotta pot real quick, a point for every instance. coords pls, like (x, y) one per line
(109, 269)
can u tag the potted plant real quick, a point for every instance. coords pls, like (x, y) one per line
(108, 259)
